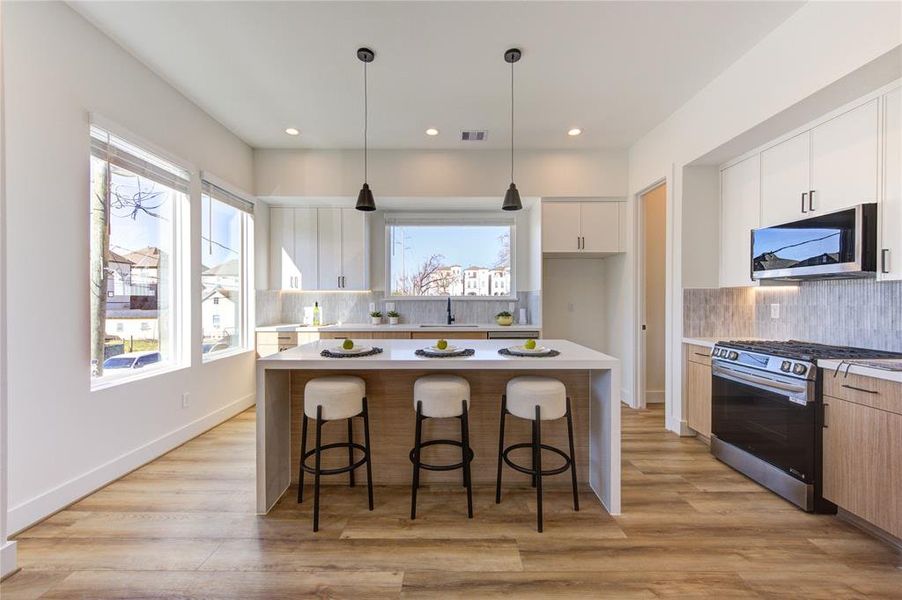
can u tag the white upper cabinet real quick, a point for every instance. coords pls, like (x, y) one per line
(582, 227)
(844, 160)
(599, 224)
(354, 249)
(740, 213)
(560, 227)
(889, 263)
(318, 249)
(329, 248)
(785, 180)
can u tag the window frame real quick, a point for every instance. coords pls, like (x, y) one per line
(482, 218)
(181, 257)
(246, 315)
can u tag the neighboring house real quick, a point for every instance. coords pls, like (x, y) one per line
(220, 314)
(130, 323)
(118, 282)
(145, 276)
(451, 281)
(226, 275)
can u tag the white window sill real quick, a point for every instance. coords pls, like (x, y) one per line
(108, 381)
(214, 356)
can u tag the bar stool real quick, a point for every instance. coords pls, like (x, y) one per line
(334, 399)
(441, 397)
(536, 399)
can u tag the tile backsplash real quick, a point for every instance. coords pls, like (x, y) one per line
(863, 313)
(353, 307)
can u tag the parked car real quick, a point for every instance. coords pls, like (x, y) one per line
(215, 347)
(131, 360)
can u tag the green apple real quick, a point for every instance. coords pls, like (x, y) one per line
(441, 344)
(530, 345)
(348, 344)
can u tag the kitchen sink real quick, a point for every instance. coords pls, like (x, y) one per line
(444, 326)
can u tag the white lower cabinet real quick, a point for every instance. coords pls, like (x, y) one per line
(740, 213)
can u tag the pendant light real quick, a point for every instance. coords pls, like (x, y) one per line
(512, 196)
(365, 200)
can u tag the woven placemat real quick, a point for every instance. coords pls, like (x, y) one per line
(427, 354)
(506, 352)
(328, 354)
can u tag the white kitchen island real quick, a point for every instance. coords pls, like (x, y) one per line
(592, 380)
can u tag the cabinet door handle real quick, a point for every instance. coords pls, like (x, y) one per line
(858, 389)
(578, 243)
(810, 200)
(884, 260)
(702, 354)
(804, 197)
(824, 423)
(343, 282)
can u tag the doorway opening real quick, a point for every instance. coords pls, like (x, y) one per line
(652, 277)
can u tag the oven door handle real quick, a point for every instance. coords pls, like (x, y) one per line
(759, 382)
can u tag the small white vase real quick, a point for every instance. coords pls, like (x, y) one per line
(376, 320)
(393, 320)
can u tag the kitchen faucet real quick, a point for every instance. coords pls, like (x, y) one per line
(450, 316)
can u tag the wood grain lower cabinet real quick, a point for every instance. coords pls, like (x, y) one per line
(697, 388)
(863, 462)
(272, 342)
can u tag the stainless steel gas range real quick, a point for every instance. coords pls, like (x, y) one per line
(767, 413)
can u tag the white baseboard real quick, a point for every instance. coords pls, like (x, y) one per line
(40, 507)
(654, 396)
(626, 397)
(678, 427)
(7, 558)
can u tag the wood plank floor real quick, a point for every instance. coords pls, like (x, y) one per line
(183, 527)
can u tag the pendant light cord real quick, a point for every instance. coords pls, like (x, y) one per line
(512, 122)
(365, 124)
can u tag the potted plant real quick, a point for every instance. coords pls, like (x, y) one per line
(504, 318)
(376, 317)
(393, 317)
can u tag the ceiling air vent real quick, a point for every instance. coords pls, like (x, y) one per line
(473, 135)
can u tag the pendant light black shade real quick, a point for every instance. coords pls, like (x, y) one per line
(512, 196)
(365, 199)
(511, 199)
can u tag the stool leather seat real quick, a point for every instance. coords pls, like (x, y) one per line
(441, 395)
(340, 396)
(526, 392)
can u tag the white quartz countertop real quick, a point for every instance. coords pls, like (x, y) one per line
(831, 366)
(710, 341)
(401, 354)
(401, 327)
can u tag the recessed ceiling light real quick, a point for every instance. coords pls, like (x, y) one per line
(575, 131)
(432, 131)
(292, 131)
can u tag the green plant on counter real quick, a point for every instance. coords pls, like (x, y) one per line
(393, 314)
(504, 318)
(376, 314)
(503, 314)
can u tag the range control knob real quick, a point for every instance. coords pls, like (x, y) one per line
(799, 369)
(786, 366)
(733, 355)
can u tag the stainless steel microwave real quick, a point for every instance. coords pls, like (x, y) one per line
(840, 244)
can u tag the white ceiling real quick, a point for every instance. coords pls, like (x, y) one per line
(614, 69)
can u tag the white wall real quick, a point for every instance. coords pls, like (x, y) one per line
(654, 207)
(440, 173)
(64, 439)
(819, 44)
(573, 294)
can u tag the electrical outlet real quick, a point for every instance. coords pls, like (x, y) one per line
(511, 307)
(775, 311)
(372, 307)
(186, 400)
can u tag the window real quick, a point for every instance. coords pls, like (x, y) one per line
(136, 202)
(449, 257)
(226, 223)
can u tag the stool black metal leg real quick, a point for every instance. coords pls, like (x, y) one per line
(418, 432)
(368, 452)
(465, 456)
(572, 456)
(534, 446)
(537, 448)
(351, 451)
(303, 452)
(500, 450)
(317, 468)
